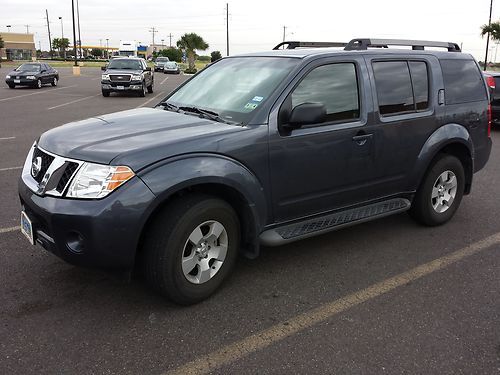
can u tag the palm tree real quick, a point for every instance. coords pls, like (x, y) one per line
(191, 42)
(493, 29)
(61, 44)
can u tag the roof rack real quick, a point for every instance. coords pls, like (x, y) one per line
(296, 44)
(364, 43)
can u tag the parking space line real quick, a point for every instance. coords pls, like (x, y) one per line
(6, 138)
(234, 352)
(10, 169)
(162, 82)
(73, 101)
(35, 93)
(150, 100)
(11, 229)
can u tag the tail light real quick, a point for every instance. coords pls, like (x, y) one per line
(490, 81)
(489, 120)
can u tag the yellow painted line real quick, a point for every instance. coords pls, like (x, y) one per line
(234, 352)
(41, 91)
(11, 229)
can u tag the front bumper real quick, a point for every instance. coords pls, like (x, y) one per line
(22, 82)
(100, 233)
(121, 86)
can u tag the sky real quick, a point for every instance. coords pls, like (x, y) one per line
(256, 25)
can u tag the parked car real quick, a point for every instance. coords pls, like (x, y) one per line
(127, 74)
(160, 62)
(493, 83)
(32, 74)
(171, 67)
(265, 148)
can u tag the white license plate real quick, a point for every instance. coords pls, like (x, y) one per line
(27, 227)
(17, 81)
(120, 87)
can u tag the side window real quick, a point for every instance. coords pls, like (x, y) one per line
(420, 83)
(333, 85)
(463, 82)
(394, 91)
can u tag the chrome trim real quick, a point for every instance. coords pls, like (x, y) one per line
(52, 176)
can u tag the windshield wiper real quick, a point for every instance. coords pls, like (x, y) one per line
(169, 106)
(205, 113)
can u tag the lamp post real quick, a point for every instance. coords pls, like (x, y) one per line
(62, 38)
(8, 28)
(107, 48)
(74, 36)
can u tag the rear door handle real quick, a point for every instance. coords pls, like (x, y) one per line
(362, 139)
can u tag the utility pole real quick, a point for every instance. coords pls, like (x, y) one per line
(170, 37)
(284, 33)
(79, 35)
(48, 28)
(100, 42)
(153, 30)
(107, 48)
(488, 38)
(27, 29)
(227, 29)
(74, 31)
(62, 36)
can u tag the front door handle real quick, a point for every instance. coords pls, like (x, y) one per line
(362, 139)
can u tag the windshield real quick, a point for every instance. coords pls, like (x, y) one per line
(29, 67)
(234, 87)
(162, 59)
(125, 64)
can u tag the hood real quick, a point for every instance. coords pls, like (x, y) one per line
(136, 137)
(22, 73)
(123, 71)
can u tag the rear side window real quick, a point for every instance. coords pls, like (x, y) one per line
(420, 83)
(462, 81)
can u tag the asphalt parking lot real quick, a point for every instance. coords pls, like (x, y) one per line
(386, 297)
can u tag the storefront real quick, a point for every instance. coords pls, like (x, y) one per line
(17, 46)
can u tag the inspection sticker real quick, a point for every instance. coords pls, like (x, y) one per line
(257, 98)
(251, 106)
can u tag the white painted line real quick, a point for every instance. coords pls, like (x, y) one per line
(73, 101)
(10, 169)
(11, 229)
(162, 82)
(150, 100)
(6, 138)
(36, 93)
(211, 362)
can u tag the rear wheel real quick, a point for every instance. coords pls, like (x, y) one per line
(440, 193)
(150, 87)
(191, 248)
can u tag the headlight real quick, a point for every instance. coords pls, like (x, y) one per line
(105, 77)
(137, 77)
(97, 181)
(7, 77)
(31, 77)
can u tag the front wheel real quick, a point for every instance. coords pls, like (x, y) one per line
(105, 93)
(440, 193)
(54, 82)
(150, 87)
(142, 93)
(11, 86)
(191, 248)
(38, 84)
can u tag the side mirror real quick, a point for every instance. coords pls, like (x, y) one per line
(148, 69)
(103, 67)
(306, 114)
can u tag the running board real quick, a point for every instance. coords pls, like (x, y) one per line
(319, 225)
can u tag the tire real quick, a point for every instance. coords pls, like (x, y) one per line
(169, 241)
(54, 82)
(142, 93)
(438, 198)
(38, 84)
(11, 86)
(105, 93)
(150, 88)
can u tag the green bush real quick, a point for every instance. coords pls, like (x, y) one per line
(189, 71)
(204, 58)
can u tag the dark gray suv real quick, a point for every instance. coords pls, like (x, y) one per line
(265, 148)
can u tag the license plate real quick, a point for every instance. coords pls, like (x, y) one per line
(17, 81)
(120, 87)
(27, 227)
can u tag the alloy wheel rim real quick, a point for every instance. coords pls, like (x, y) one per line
(55, 81)
(204, 252)
(444, 191)
(39, 83)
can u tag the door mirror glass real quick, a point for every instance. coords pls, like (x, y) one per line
(307, 114)
(103, 67)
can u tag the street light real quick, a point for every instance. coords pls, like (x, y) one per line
(8, 28)
(62, 37)
(107, 48)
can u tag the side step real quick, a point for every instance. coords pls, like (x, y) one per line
(319, 225)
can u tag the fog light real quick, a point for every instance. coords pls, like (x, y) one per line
(75, 242)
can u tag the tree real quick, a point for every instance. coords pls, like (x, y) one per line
(173, 54)
(97, 52)
(215, 55)
(61, 44)
(1, 46)
(493, 29)
(190, 42)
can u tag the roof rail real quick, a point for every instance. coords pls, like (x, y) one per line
(364, 43)
(296, 44)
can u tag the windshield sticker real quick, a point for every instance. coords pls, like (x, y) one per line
(251, 106)
(257, 98)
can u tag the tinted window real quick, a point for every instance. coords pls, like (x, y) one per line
(333, 85)
(462, 81)
(394, 90)
(420, 83)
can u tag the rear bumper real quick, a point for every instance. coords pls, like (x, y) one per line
(100, 233)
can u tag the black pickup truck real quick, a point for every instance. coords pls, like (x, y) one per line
(265, 148)
(127, 74)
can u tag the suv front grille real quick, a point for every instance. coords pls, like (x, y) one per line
(46, 161)
(69, 171)
(119, 77)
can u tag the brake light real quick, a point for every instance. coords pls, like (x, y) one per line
(489, 120)
(490, 81)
